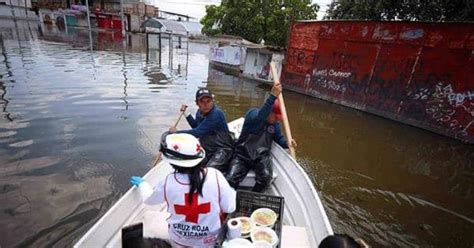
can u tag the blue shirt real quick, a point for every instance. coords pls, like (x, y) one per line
(256, 119)
(208, 124)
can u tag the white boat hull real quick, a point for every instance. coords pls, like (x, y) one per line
(303, 208)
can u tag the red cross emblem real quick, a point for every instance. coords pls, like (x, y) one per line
(175, 147)
(193, 210)
(198, 148)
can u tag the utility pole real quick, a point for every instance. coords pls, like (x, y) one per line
(26, 9)
(121, 17)
(12, 10)
(89, 24)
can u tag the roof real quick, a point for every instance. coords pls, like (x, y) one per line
(176, 14)
(169, 26)
(194, 28)
(232, 40)
(174, 27)
(152, 23)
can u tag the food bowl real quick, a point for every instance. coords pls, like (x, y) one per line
(264, 217)
(247, 225)
(265, 234)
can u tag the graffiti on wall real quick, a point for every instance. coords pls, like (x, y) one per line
(228, 55)
(327, 79)
(409, 77)
(443, 105)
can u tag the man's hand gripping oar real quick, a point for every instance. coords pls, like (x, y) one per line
(286, 123)
(182, 111)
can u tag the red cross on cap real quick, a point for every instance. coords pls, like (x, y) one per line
(192, 211)
(198, 148)
(175, 147)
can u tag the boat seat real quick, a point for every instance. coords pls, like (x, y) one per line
(294, 236)
(249, 180)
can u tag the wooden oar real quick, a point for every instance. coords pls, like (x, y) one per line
(286, 123)
(183, 109)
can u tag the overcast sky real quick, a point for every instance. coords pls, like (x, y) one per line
(196, 8)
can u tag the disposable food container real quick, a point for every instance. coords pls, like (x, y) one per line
(264, 234)
(264, 217)
(249, 202)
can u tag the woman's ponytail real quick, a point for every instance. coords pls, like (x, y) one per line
(196, 179)
(197, 176)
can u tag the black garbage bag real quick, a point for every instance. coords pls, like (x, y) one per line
(219, 149)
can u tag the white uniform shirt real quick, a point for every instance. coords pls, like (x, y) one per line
(197, 223)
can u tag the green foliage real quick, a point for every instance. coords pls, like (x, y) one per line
(409, 10)
(256, 20)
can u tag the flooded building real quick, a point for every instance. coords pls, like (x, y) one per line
(241, 57)
(137, 13)
(257, 62)
(104, 14)
(413, 72)
(18, 9)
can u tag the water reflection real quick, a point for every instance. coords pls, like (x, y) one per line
(6, 75)
(77, 123)
(392, 184)
(367, 167)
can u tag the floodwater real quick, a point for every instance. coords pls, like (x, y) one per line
(77, 122)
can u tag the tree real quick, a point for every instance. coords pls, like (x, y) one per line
(267, 20)
(409, 10)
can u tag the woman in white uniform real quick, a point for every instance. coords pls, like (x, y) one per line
(197, 196)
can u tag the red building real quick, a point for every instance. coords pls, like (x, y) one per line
(417, 73)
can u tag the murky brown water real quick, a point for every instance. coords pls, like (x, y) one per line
(391, 184)
(76, 123)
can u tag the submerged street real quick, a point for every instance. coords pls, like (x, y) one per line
(77, 121)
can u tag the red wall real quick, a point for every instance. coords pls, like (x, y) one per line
(417, 73)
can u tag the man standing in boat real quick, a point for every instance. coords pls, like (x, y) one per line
(210, 127)
(196, 196)
(252, 152)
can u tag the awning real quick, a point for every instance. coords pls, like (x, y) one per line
(166, 26)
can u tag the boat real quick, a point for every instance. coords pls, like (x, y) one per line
(305, 222)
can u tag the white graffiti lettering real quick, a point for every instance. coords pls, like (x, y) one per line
(307, 80)
(330, 84)
(457, 99)
(332, 73)
(442, 106)
(320, 72)
(339, 73)
(422, 94)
